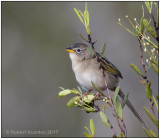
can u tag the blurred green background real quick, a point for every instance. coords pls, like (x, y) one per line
(35, 65)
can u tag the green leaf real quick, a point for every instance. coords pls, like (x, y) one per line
(116, 93)
(155, 102)
(148, 90)
(118, 108)
(87, 129)
(64, 92)
(124, 100)
(72, 101)
(147, 133)
(62, 88)
(151, 117)
(117, 103)
(141, 26)
(75, 91)
(103, 108)
(149, 28)
(136, 69)
(88, 110)
(88, 30)
(82, 37)
(148, 6)
(152, 133)
(103, 49)
(88, 98)
(141, 22)
(81, 13)
(126, 29)
(154, 62)
(90, 50)
(135, 31)
(157, 15)
(122, 135)
(155, 68)
(86, 7)
(104, 119)
(79, 16)
(87, 18)
(142, 11)
(92, 127)
(87, 135)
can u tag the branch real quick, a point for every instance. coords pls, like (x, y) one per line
(142, 61)
(112, 128)
(104, 76)
(145, 72)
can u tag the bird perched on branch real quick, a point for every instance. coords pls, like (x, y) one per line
(87, 70)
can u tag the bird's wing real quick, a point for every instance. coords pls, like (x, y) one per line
(109, 67)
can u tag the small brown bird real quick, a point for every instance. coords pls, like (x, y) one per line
(86, 69)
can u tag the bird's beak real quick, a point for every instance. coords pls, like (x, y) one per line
(69, 50)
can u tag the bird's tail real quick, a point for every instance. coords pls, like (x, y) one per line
(130, 106)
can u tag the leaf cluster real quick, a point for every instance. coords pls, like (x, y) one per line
(77, 101)
(91, 132)
(151, 50)
(87, 102)
(84, 18)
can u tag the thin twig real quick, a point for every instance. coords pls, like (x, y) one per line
(124, 126)
(142, 61)
(104, 76)
(145, 72)
(152, 104)
(115, 112)
(112, 128)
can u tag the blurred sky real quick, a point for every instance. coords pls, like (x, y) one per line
(35, 65)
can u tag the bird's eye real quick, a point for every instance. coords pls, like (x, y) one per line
(78, 50)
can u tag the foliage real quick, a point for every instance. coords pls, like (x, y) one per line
(84, 18)
(147, 45)
(90, 102)
(91, 132)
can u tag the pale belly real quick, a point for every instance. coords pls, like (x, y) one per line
(87, 77)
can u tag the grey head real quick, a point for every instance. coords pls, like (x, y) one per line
(78, 51)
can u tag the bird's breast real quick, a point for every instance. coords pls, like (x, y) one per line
(85, 75)
(87, 72)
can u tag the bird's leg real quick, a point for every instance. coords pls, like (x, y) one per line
(86, 93)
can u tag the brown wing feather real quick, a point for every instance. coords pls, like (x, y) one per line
(109, 67)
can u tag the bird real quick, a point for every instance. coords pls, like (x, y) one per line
(87, 70)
